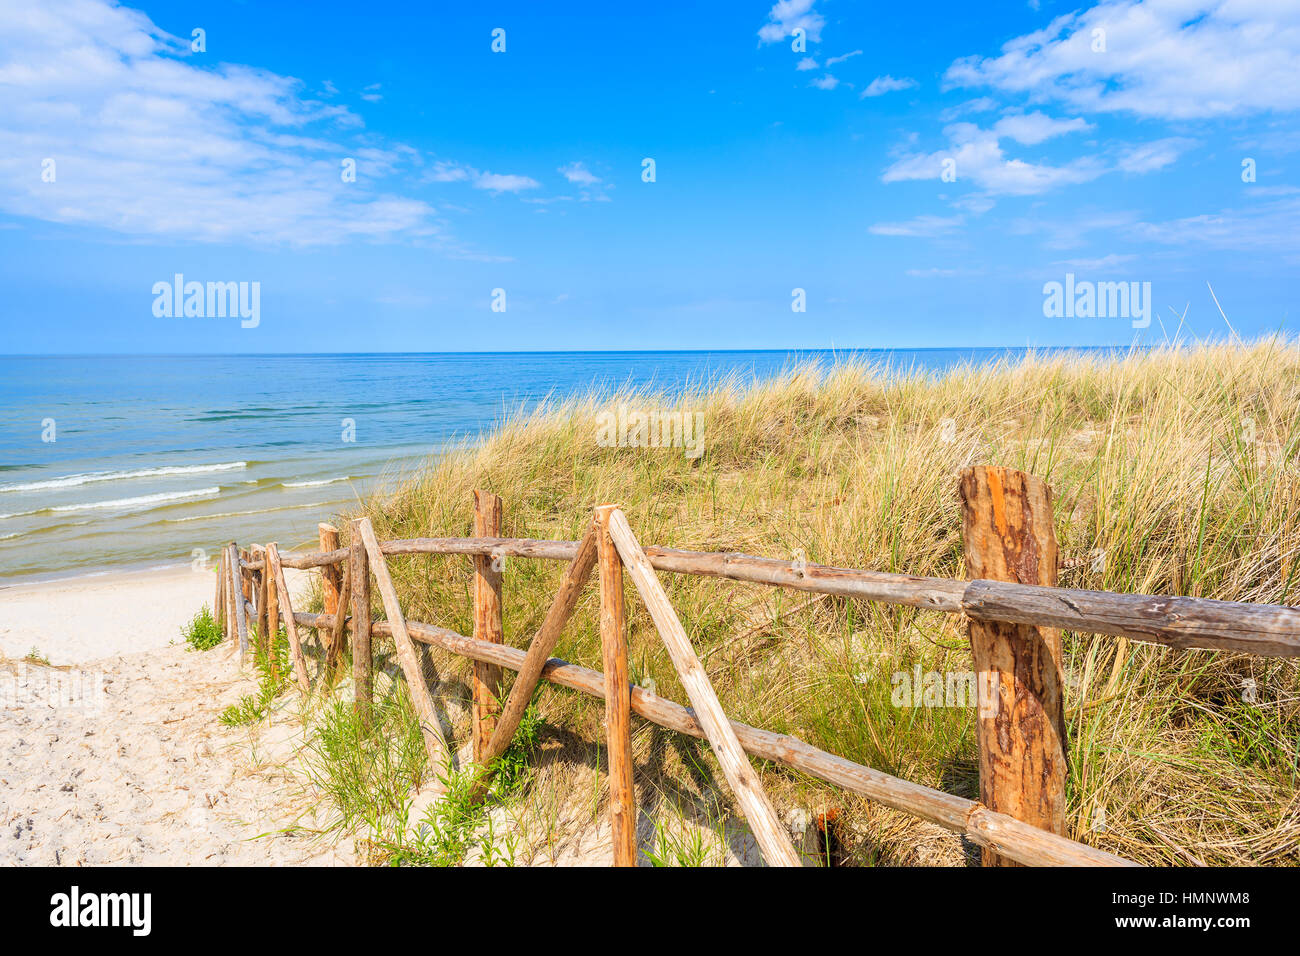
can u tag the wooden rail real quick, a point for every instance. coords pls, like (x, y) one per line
(1267, 630)
(1013, 611)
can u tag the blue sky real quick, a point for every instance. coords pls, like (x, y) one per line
(776, 169)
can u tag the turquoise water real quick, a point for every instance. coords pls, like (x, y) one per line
(153, 457)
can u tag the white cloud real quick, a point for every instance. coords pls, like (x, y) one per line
(980, 159)
(807, 63)
(148, 142)
(981, 104)
(1033, 128)
(504, 182)
(840, 59)
(1268, 226)
(576, 172)
(371, 93)
(1111, 261)
(1175, 59)
(445, 172)
(921, 226)
(937, 273)
(887, 84)
(787, 15)
(590, 186)
(1157, 154)
(826, 82)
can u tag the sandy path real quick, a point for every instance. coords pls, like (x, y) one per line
(142, 772)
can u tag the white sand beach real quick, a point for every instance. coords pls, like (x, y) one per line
(113, 753)
(103, 615)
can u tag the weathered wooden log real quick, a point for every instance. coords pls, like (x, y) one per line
(258, 554)
(245, 578)
(235, 596)
(219, 595)
(338, 628)
(290, 622)
(331, 583)
(1265, 629)
(510, 547)
(618, 695)
(745, 785)
(485, 681)
(985, 828)
(1020, 728)
(362, 628)
(421, 699)
(270, 590)
(306, 560)
(561, 609)
(937, 593)
(254, 597)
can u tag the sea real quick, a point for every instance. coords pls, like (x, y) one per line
(120, 462)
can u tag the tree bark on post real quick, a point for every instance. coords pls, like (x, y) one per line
(618, 695)
(219, 595)
(362, 663)
(272, 598)
(245, 575)
(486, 679)
(1008, 533)
(237, 598)
(331, 585)
(258, 552)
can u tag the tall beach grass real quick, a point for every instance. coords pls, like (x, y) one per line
(1174, 471)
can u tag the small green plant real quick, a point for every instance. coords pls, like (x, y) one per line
(685, 849)
(203, 632)
(254, 707)
(513, 766)
(34, 656)
(369, 768)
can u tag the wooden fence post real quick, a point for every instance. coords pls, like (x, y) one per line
(486, 680)
(539, 651)
(258, 553)
(331, 585)
(235, 594)
(362, 663)
(337, 633)
(618, 695)
(1008, 534)
(272, 600)
(245, 575)
(276, 572)
(748, 789)
(434, 743)
(219, 595)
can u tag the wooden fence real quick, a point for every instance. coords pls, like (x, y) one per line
(1012, 605)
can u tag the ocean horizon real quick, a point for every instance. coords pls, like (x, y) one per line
(112, 462)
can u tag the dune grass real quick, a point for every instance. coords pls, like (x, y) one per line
(1174, 471)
